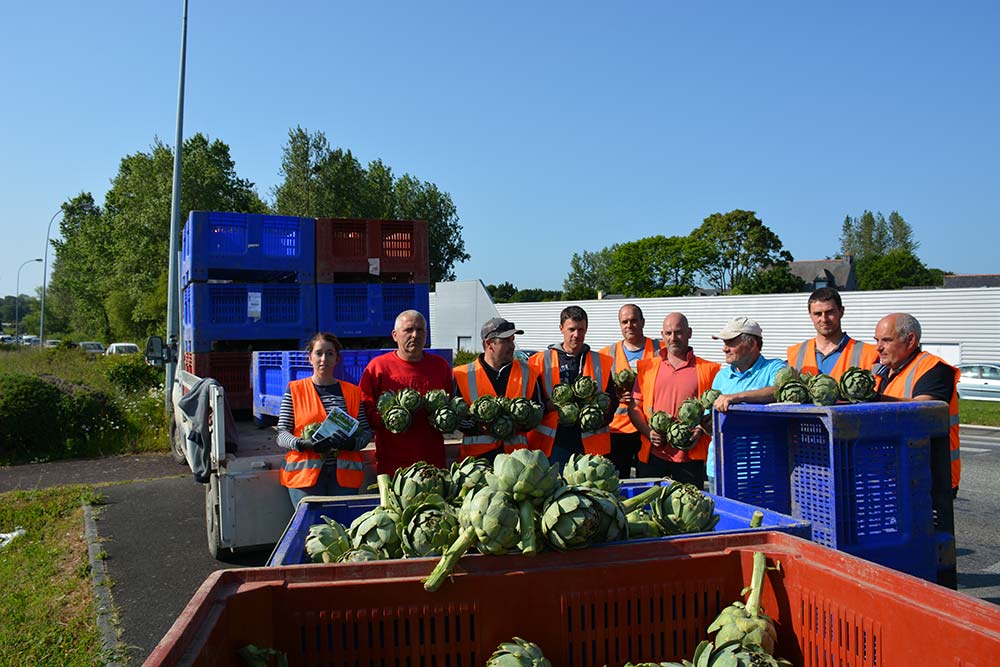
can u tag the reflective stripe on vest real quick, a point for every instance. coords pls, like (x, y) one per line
(800, 359)
(474, 445)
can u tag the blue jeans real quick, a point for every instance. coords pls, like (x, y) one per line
(326, 485)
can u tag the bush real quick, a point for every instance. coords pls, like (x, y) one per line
(463, 357)
(130, 373)
(88, 416)
(29, 417)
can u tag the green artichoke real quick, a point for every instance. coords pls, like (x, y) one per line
(624, 379)
(571, 519)
(397, 419)
(614, 524)
(593, 471)
(410, 399)
(503, 426)
(412, 484)
(660, 421)
(436, 399)
(327, 541)
(537, 414)
(584, 387)
(562, 394)
(793, 391)
(824, 390)
(309, 429)
(488, 519)
(386, 401)
(857, 385)
(528, 476)
(467, 476)
(682, 508)
(601, 400)
(732, 654)
(361, 554)
(641, 524)
(521, 410)
(485, 408)
(785, 374)
(748, 624)
(708, 398)
(518, 653)
(503, 405)
(429, 528)
(569, 414)
(678, 436)
(460, 407)
(690, 412)
(444, 420)
(378, 528)
(591, 418)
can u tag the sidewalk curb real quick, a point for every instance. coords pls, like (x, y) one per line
(102, 591)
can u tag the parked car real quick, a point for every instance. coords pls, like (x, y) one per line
(52, 342)
(980, 382)
(92, 347)
(6, 340)
(122, 348)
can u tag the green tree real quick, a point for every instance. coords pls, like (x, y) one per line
(657, 266)
(502, 293)
(331, 183)
(588, 274)
(895, 270)
(533, 295)
(777, 279)
(742, 245)
(871, 235)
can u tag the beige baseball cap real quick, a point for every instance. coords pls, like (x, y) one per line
(737, 326)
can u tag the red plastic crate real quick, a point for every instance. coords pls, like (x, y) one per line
(231, 369)
(600, 606)
(345, 246)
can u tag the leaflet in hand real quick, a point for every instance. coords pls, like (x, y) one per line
(337, 422)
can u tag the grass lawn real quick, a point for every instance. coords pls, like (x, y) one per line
(47, 606)
(980, 413)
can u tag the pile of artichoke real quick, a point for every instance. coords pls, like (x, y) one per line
(502, 417)
(518, 653)
(443, 412)
(677, 430)
(582, 403)
(856, 385)
(396, 408)
(624, 379)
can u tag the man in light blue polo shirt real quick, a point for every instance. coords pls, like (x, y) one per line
(747, 376)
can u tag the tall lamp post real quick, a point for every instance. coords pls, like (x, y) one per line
(45, 273)
(17, 296)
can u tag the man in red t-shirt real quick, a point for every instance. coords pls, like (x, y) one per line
(406, 366)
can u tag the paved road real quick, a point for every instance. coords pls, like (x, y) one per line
(157, 549)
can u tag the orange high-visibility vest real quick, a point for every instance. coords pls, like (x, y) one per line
(473, 382)
(546, 364)
(802, 357)
(647, 370)
(301, 469)
(621, 423)
(901, 386)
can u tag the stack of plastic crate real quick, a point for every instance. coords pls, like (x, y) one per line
(367, 272)
(873, 478)
(249, 284)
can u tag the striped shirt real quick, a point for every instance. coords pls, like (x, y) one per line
(331, 395)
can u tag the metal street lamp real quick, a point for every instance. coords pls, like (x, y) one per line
(45, 274)
(17, 296)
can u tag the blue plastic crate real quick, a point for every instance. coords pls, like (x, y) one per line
(860, 473)
(248, 247)
(734, 517)
(272, 371)
(365, 310)
(228, 311)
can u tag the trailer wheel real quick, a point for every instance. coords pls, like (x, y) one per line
(177, 445)
(212, 519)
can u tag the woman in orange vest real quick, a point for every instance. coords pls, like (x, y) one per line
(332, 466)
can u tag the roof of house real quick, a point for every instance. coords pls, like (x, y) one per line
(838, 273)
(972, 280)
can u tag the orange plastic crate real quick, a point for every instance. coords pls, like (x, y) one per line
(344, 246)
(231, 369)
(600, 606)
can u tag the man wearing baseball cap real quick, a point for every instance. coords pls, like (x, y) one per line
(746, 377)
(495, 372)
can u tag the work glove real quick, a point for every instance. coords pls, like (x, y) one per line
(323, 445)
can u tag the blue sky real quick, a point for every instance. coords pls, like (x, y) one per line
(556, 127)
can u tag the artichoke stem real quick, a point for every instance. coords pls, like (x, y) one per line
(383, 489)
(641, 499)
(757, 519)
(449, 559)
(756, 584)
(529, 543)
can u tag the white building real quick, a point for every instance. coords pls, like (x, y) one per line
(960, 325)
